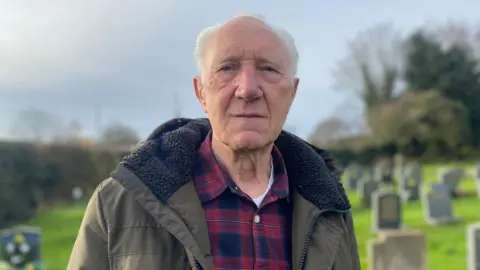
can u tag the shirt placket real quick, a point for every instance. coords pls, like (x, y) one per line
(258, 228)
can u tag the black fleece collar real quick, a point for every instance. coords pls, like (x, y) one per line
(165, 160)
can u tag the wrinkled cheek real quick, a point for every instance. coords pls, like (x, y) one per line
(279, 114)
(216, 115)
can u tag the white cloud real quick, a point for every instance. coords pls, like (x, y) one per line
(127, 56)
(45, 41)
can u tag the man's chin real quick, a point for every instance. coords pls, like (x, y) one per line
(249, 140)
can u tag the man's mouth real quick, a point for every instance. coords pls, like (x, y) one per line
(249, 115)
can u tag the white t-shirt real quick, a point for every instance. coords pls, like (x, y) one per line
(258, 201)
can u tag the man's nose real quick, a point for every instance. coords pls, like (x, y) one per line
(248, 86)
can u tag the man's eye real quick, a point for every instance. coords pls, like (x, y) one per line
(268, 69)
(226, 68)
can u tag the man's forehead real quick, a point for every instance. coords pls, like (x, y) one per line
(246, 39)
(239, 29)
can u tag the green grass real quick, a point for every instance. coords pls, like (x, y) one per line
(59, 230)
(446, 244)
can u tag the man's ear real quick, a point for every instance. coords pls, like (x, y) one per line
(198, 86)
(296, 81)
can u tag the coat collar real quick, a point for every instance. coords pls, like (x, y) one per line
(165, 160)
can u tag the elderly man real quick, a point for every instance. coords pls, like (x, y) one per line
(230, 192)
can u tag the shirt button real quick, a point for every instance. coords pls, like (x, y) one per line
(236, 188)
(256, 219)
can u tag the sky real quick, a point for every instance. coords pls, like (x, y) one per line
(103, 61)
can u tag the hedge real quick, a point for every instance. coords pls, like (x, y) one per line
(32, 175)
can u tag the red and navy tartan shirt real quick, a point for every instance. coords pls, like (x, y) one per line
(243, 236)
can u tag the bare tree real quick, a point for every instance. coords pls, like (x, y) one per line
(350, 111)
(36, 124)
(329, 130)
(372, 66)
(119, 136)
(457, 32)
(71, 134)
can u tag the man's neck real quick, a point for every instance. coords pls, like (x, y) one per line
(245, 167)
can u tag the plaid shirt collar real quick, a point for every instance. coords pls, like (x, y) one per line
(211, 180)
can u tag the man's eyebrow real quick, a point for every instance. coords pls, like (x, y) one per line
(277, 63)
(228, 58)
(265, 60)
(238, 58)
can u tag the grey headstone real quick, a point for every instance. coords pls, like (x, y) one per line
(77, 193)
(365, 177)
(473, 246)
(383, 172)
(411, 182)
(20, 247)
(400, 262)
(477, 179)
(437, 205)
(452, 178)
(398, 250)
(366, 187)
(440, 187)
(477, 171)
(399, 167)
(352, 175)
(398, 160)
(386, 210)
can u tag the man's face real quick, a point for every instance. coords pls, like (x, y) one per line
(247, 86)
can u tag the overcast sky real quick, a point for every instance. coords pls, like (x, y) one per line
(129, 57)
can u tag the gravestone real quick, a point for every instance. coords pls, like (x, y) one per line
(77, 193)
(411, 182)
(398, 161)
(365, 189)
(20, 247)
(398, 250)
(400, 176)
(437, 205)
(477, 185)
(477, 172)
(387, 210)
(353, 173)
(383, 172)
(476, 179)
(473, 246)
(452, 178)
(399, 167)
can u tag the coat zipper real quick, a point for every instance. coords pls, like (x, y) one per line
(194, 264)
(309, 236)
(307, 241)
(197, 265)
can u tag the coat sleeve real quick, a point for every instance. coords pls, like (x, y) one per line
(90, 250)
(353, 242)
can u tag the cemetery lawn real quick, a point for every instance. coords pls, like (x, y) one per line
(59, 230)
(446, 243)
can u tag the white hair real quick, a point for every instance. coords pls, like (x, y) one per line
(205, 35)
